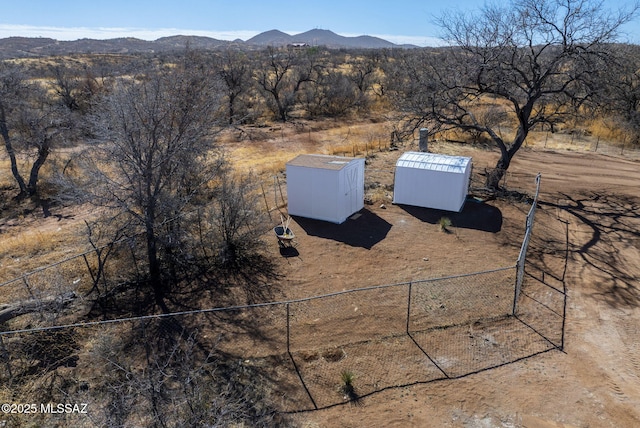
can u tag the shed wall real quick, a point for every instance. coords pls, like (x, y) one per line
(351, 189)
(326, 194)
(311, 192)
(429, 188)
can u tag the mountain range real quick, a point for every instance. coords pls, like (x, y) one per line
(12, 47)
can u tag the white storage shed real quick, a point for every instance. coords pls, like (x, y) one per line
(432, 180)
(323, 187)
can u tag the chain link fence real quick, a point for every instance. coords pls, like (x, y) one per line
(290, 356)
(522, 256)
(386, 336)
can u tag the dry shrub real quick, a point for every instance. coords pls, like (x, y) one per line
(142, 374)
(607, 129)
(30, 243)
(6, 179)
(362, 139)
(27, 250)
(286, 141)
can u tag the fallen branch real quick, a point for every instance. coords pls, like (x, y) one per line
(14, 310)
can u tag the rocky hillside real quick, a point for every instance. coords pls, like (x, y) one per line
(19, 47)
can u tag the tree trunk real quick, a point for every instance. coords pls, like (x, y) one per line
(282, 109)
(155, 272)
(4, 131)
(43, 153)
(231, 110)
(155, 269)
(37, 305)
(495, 175)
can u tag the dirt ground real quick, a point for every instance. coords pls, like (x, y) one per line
(586, 241)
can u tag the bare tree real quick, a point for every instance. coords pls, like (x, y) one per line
(155, 158)
(174, 380)
(237, 225)
(333, 94)
(30, 125)
(74, 86)
(621, 92)
(528, 61)
(282, 75)
(233, 68)
(362, 72)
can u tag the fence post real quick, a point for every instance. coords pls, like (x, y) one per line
(518, 285)
(522, 257)
(25, 279)
(288, 332)
(408, 307)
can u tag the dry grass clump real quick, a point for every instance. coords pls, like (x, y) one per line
(607, 129)
(378, 194)
(283, 142)
(444, 223)
(6, 180)
(357, 140)
(30, 243)
(29, 240)
(365, 147)
(27, 250)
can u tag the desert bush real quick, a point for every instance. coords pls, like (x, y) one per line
(444, 223)
(235, 221)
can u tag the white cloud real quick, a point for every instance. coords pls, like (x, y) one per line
(400, 39)
(75, 33)
(100, 33)
(411, 40)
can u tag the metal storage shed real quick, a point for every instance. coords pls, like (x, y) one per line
(322, 187)
(432, 180)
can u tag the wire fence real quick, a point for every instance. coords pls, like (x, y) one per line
(390, 335)
(522, 256)
(294, 353)
(584, 142)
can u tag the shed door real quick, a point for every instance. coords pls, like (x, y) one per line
(352, 189)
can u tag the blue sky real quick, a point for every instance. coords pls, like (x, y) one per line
(399, 21)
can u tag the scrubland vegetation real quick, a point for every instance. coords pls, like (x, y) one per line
(164, 153)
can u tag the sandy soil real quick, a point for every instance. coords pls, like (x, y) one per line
(586, 241)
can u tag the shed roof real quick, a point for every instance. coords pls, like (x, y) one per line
(434, 162)
(321, 161)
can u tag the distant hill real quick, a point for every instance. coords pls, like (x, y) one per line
(195, 42)
(17, 47)
(326, 38)
(320, 38)
(271, 38)
(23, 46)
(331, 39)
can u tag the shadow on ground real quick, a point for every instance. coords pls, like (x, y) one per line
(605, 242)
(474, 215)
(363, 229)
